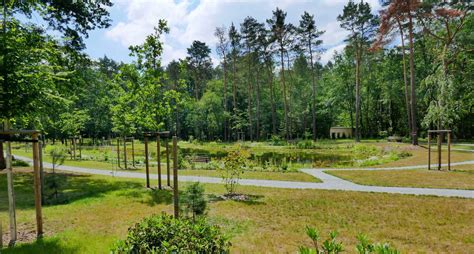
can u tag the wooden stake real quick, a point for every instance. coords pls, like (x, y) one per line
(74, 147)
(41, 170)
(429, 151)
(158, 159)
(11, 190)
(175, 177)
(146, 163)
(118, 152)
(168, 163)
(449, 151)
(37, 185)
(125, 152)
(439, 150)
(133, 152)
(1, 234)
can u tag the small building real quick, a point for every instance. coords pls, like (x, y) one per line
(341, 132)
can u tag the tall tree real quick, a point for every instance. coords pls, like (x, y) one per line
(360, 22)
(234, 40)
(199, 61)
(281, 31)
(249, 30)
(310, 42)
(222, 50)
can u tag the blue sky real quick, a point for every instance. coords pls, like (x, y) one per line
(196, 20)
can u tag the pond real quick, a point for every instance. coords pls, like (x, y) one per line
(280, 158)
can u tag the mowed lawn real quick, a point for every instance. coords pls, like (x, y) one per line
(100, 210)
(461, 177)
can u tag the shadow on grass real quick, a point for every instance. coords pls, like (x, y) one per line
(77, 187)
(47, 246)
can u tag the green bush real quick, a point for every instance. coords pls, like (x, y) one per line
(193, 200)
(19, 163)
(165, 234)
(332, 246)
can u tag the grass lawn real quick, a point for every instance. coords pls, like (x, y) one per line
(461, 177)
(100, 210)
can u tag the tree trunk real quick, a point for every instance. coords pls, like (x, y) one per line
(412, 84)
(272, 99)
(225, 96)
(257, 89)
(313, 92)
(285, 100)
(357, 129)
(11, 190)
(234, 88)
(249, 98)
(405, 78)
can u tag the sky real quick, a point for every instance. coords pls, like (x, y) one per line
(189, 20)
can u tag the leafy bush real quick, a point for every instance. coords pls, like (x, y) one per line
(332, 246)
(235, 164)
(165, 234)
(193, 200)
(306, 144)
(19, 163)
(277, 140)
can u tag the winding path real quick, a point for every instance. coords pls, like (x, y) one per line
(329, 182)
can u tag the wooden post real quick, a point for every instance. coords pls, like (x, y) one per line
(37, 185)
(175, 177)
(118, 152)
(449, 150)
(125, 152)
(439, 150)
(133, 152)
(11, 191)
(80, 147)
(74, 147)
(429, 150)
(146, 163)
(41, 169)
(1, 234)
(168, 163)
(158, 159)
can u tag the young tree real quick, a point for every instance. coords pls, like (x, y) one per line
(360, 22)
(281, 31)
(310, 42)
(194, 200)
(200, 65)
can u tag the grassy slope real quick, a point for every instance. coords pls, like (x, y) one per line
(102, 208)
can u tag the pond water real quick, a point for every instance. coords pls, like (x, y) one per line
(279, 158)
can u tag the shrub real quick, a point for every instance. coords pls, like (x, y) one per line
(332, 246)
(54, 182)
(19, 163)
(165, 234)
(234, 165)
(193, 200)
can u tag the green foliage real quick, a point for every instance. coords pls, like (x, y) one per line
(329, 246)
(193, 200)
(235, 164)
(332, 246)
(364, 246)
(19, 163)
(165, 234)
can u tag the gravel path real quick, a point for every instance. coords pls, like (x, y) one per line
(329, 182)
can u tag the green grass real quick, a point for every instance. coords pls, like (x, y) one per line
(461, 177)
(100, 210)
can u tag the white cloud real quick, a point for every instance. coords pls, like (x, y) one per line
(189, 21)
(329, 53)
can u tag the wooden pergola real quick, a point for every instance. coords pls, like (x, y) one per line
(440, 134)
(8, 136)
